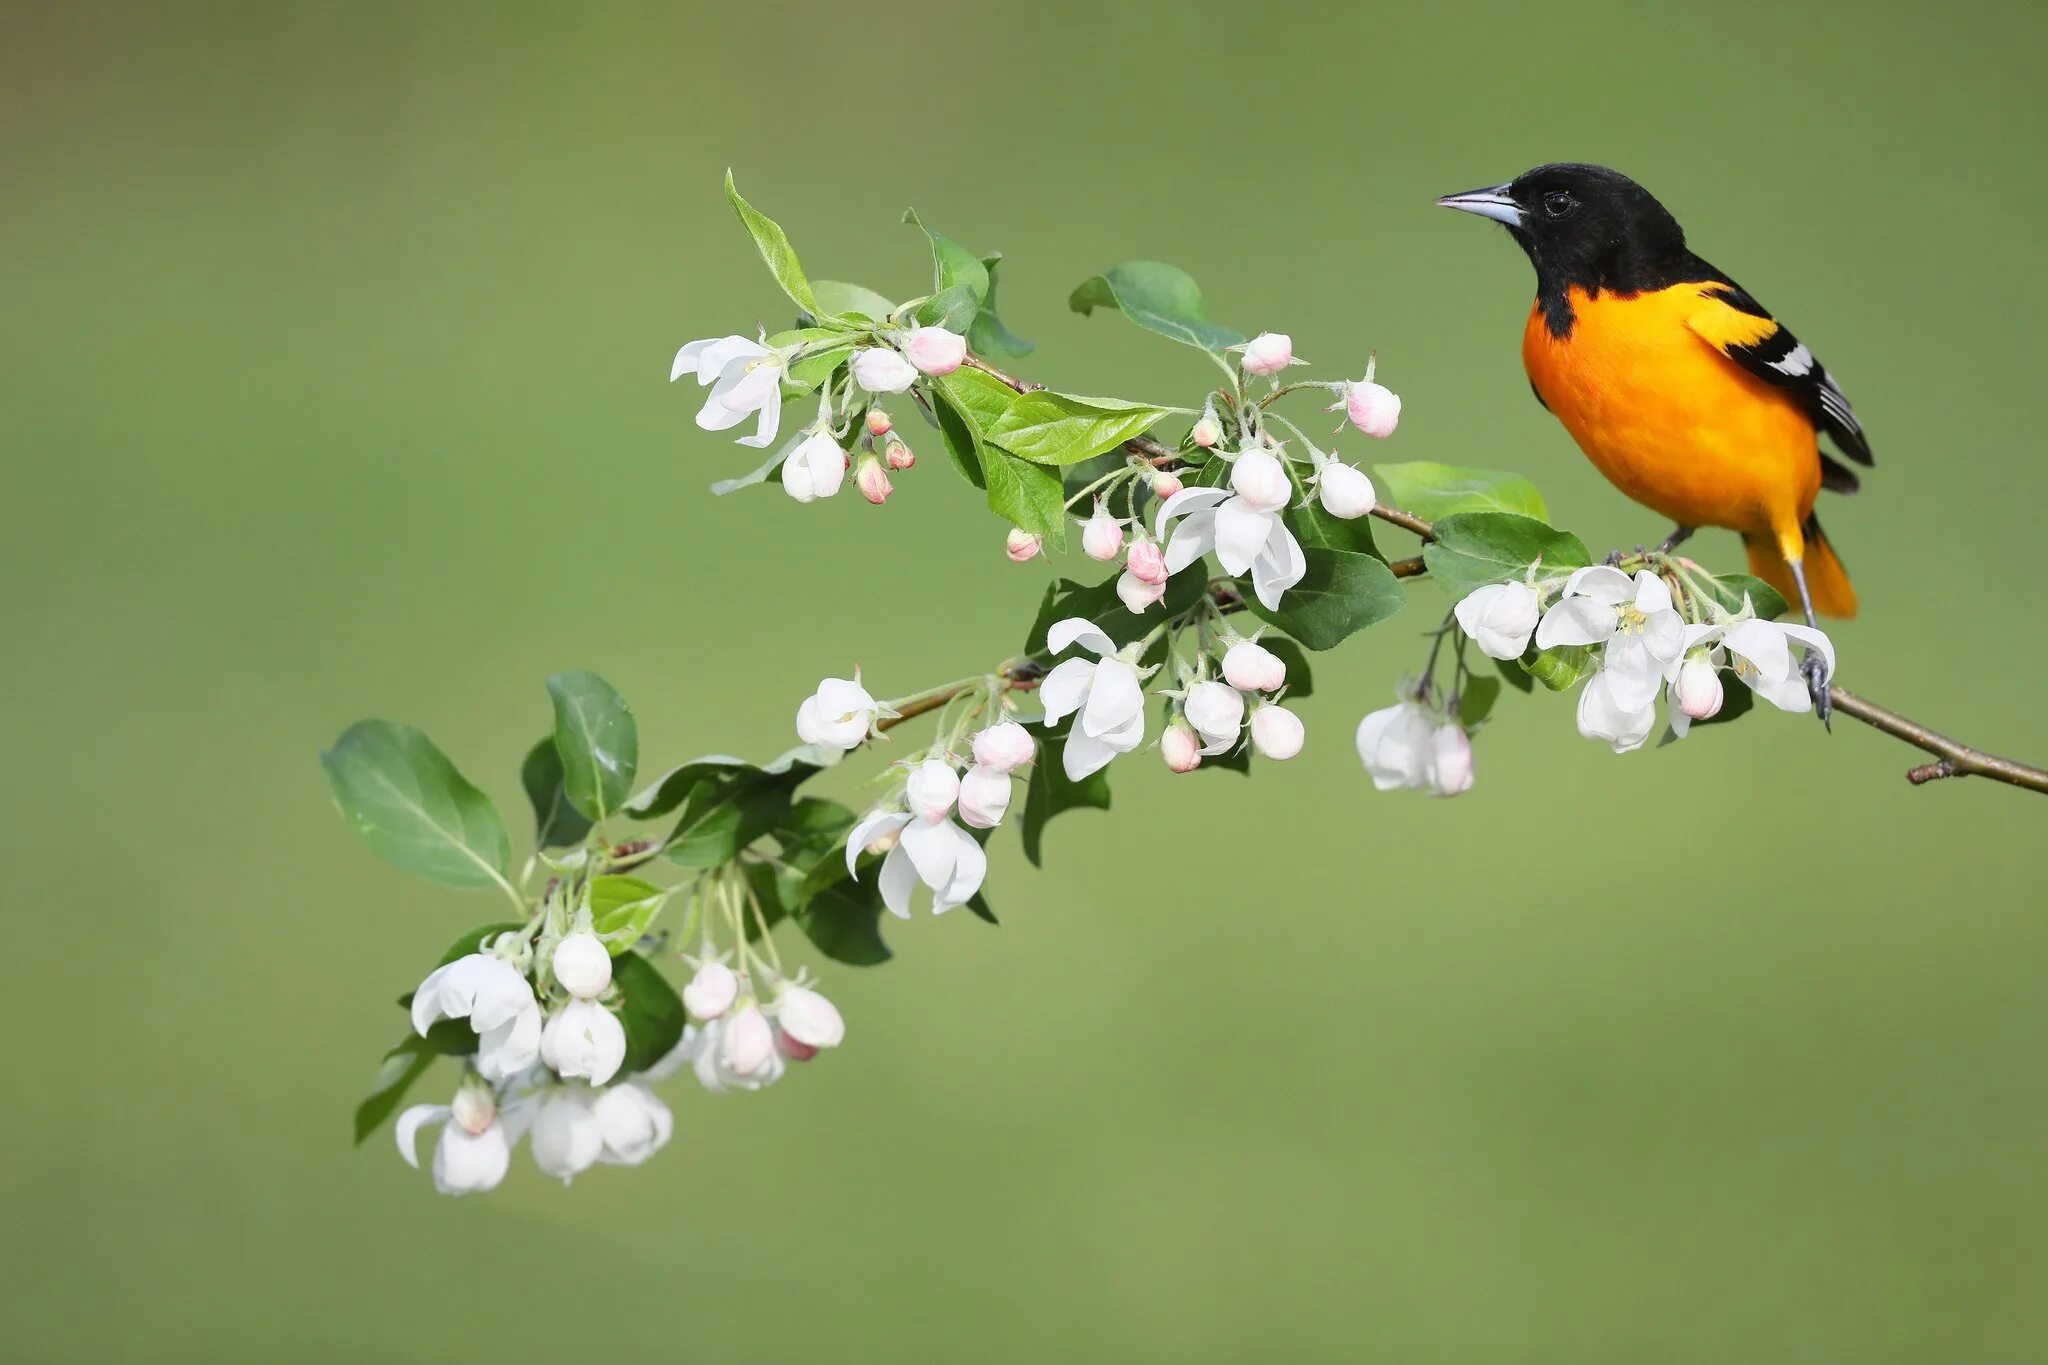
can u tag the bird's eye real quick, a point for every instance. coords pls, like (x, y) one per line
(1558, 203)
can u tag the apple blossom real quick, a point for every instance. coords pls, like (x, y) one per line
(1397, 745)
(1260, 481)
(881, 370)
(745, 378)
(935, 350)
(839, 715)
(898, 455)
(747, 1044)
(1642, 633)
(1500, 618)
(1611, 713)
(814, 469)
(1107, 694)
(1244, 538)
(1276, 731)
(1206, 431)
(1180, 746)
(703, 1047)
(466, 1160)
(873, 481)
(567, 1137)
(1165, 485)
(1762, 655)
(584, 1039)
(474, 1107)
(932, 789)
(1138, 594)
(1216, 710)
(1268, 353)
(633, 1124)
(1020, 545)
(1373, 408)
(711, 990)
(809, 1017)
(791, 1049)
(481, 987)
(582, 964)
(984, 797)
(1102, 535)
(1250, 667)
(1450, 760)
(1696, 692)
(510, 1048)
(878, 422)
(1004, 747)
(1344, 490)
(1145, 561)
(940, 854)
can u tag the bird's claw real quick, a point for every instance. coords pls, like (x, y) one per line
(1816, 675)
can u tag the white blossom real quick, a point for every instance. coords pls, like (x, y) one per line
(1276, 731)
(499, 1004)
(1004, 747)
(815, 469)
(1643, 635)
(1250, 667)
(711, 990)
(984, 797)
(1609, 712)
(567, 1138)
(1138, 594)
(934, 350)
(745, 379)
(1268, 353)
(1344, 491)
(584, 1039)
(1106, 693)
(1397, 746)
(633, 1124)
(1244, 537)
(1762, 654)
(809, 1017)
(583, 964)
(1500, 618)
(703, 1047)
(940, 854)
(881, 370)
(1102, 535)
(839, 715)
(1450, 770)
(465, 1162)
(1216, 710)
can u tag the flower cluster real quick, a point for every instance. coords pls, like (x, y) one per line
(916, 832)
(1412, 745)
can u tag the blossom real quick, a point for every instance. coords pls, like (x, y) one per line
(582, 964)
(878, 422)
(1102, 535)
(1373, 408)
(745, 379)
(1345, 491)
(932, 789)
(1450, 769)
(814, 469)
(632, 1123)
(946, 858)
(1644, 636)
(1180, 746)
(1165, 485)
(1397, 745)
(935, 350)
(1246, 536)
(703, 1047)
(984, 797)
(584, 1039)
(1106, 693)
(873, 481)
(1260, 481)
(1608, 710)
(1276, 731)
(1206, 431)
(881, 370)
(1696, 692)
(1250, 667)
(808, 1017)
(1020, 545)
(839, 715)
(499, 1004)
(1004, 747)
(791, 1049)
(711, 991)
(1762, 654)
(747, 1044)
(567, 1137)
(1500, 618)
(898, 454)
(1138, 594)
(1216, 710)
(1268, 353)
(466, 1161)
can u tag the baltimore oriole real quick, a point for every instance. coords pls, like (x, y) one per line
(1680, 387)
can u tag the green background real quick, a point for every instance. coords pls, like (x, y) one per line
(334, 382)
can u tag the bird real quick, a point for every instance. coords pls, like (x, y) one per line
(1686, 393)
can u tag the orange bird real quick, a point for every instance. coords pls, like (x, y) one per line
(1681, 388)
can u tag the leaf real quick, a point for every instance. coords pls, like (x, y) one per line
(987, 336)
(1560, 667)
(1158, 298)
(652, 1012)
(402, 1066)
(813, 826)
(1341, 594)
(1026, 494)
(1431, 490)
(1476, 702)
(965, 407)
(842, 915)
(725, 815)
(413, 808)
(1314, 527)
(952, 264)
(1731, 588)
(1060, 429)
(622, 909)
(1473, 549)
(1517, 676)
(840, 299)
(773, 244)
(673, 787)
(952, 308)
(1300, 682)
(556, 823)
(1050, 792)
(806, 373)
(598, 740)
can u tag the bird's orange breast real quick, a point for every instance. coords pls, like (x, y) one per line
(1668, 418)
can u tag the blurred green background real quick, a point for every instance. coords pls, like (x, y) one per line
(334, 375)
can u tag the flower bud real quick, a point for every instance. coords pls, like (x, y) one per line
(1102, 535)
(1268, 353)
(932, 789)
(475, 1108)
(566, 1137)
(1261, 480)
(839, 715)
(880, 370)
(1394, 744)
(1136, 593)
(1250, 667)
(711, 991)
(1276, 732)
(1216, 710)
(1373, 408)
(935, 350)
(984, 797)
(747, 1041)
(792, 1049)
(814, 469)
(809, 1017)
(1500, 618)
(1165, 485)
(1146, 561)
(1450, 760)
(1698, 690)
(1345, 492)
(1206, 432)
(878, 422)
(1021, 545)
(873, 481)
(584, 1039)
(1180, 748)
(898, 455)
(583, 965)
(634, 1122)
(1004, 747)
(469, 1163)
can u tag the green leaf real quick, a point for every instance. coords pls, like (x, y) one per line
(598, 740)
(1341, 594)
(1476, 701)
(652, 1012)
(1731, 588)
(1431, 490)
(1312, 526)
(1560, 667)
(773, 244)
(809, 371)
(840, 299)
(622, 908)
(952, 263)
(813, 826)
(1300, 681)
(672, 788)
(1517, 676)
(724, 815)
(413, 808)
(969, 402)
(842, 915)
(556, 823)
(1026, 494)
(402, 1066)
(952, 308)
(1473, 549)
(1059, 428)
(1158, 298)
(1051, 791)
(987, 336)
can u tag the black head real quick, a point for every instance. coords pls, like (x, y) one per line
(1585, 226)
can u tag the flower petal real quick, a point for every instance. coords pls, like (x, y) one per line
(1241, 533)
(1086, 755)
(1115, 697)
(764, 436)
(1184, 502)
(1065, 689)
(1279, 567)
(899, 878)
(1653, 594)
(1815, 640)
(968, 871)
(1602, 583)
(932, 850)
(409, 1126)
(1193, 538)
(872, 827)
(1763, 644)
(1576, 621)
(1078, 629)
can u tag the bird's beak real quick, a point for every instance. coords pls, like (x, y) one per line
(1491, 203)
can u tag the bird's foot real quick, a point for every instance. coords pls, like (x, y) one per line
(1679, 535)
(1816, 674)
(1614, 558)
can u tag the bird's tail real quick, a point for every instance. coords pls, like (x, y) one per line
(1825, 577)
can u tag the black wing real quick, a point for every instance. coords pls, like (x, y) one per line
(1782, 359)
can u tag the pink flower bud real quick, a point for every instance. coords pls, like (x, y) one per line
(1698, 690)
(878, 422)
(1165, 485)
(984, 797)
(711, 991)
(791, 1049)
(1261, 480)
(1136, 593)
(1102, 536)
(1004, 747)
(1180, 747)
(747, 1040)
(1373, 408)
(1276, 732)
(1146, 561)
(1450, 760)
(898, 455)
(1021, 545)
(932, 789)
(935, 350)
(1251, 667)
(474, 1108)
(1206, 432)
(1268, 353)
(1346, 493)
(808, 1017)
(873, 481)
